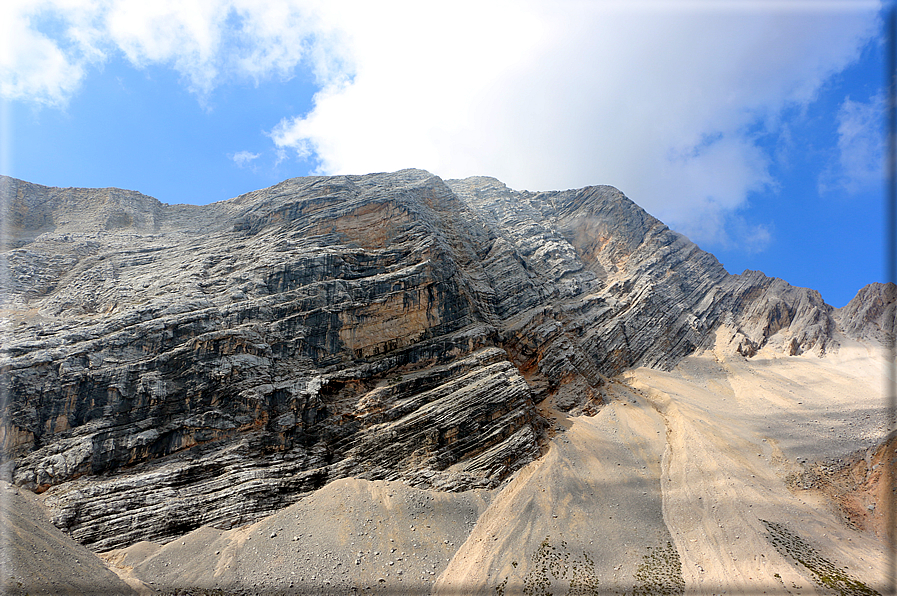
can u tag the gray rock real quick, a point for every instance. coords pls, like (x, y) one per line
(169, 366)
(870, 314)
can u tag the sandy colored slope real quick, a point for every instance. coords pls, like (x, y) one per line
(593, 501)
(350, 535)
(37, 558)
(684, 482)
(733, 430)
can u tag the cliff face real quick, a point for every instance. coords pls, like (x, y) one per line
(871, 313)
(165, 367)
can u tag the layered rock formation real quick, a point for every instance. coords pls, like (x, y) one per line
(871, 313)
(167, 367)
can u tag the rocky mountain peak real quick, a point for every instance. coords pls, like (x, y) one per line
(870, 314)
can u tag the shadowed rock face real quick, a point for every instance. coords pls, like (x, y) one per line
(172, 366)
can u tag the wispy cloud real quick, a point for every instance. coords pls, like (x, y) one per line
(860, 156)
(244, 158)
(43, 68)
(48, 46)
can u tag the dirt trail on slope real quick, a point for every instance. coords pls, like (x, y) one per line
(680, 484)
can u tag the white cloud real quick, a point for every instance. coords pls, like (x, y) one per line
(661, 99)
(185, 34)
(48, 46)
(244, 158)
(37, 67)
(661, 103)
(860, 148)
(208, 41)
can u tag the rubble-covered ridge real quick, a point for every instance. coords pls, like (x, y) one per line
(169, 366)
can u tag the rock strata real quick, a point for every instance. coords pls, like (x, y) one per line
(172, 366)
(870, 314)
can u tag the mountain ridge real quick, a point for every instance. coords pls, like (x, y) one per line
(176, 366)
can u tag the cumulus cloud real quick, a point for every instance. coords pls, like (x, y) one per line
(666, 101)
(669, 101)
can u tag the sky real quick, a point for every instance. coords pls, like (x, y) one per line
(753, 127)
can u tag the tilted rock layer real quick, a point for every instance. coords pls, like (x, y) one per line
(171, 366)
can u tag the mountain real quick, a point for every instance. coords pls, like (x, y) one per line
(171, 368)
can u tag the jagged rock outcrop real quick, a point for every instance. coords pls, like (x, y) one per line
(871, 313)
(172, 366)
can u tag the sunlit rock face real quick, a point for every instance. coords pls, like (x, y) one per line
(169, 366)
(871, 313)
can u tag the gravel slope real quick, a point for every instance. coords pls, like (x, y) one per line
(740, 434)
(350, 535)
(37, 558)
(699, 480)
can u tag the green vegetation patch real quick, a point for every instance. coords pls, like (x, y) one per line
(550, 562)
(825, 573)
(660, 573)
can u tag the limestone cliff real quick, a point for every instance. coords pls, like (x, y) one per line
(871, 313)
(169, 366)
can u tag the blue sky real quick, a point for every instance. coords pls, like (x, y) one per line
(755, 128)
